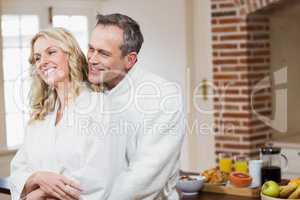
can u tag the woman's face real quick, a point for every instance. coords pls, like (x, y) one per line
(51, 61)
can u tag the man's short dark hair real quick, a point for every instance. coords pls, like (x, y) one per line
(132, 35)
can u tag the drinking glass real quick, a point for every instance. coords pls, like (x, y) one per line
(241, 164)
(225, 162)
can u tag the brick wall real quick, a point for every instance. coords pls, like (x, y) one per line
(241, 60)
(250, 6)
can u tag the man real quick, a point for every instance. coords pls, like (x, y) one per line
(144, 109)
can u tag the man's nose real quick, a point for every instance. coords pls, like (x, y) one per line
(93, 58)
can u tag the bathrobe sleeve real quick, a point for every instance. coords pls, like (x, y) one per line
(156, 157)
(20, 172)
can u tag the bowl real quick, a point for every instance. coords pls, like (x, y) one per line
(190, 184)
(239, 179)
(264, 197)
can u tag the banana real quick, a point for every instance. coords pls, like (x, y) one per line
(287, 190)
(295, 181)
(295, 194)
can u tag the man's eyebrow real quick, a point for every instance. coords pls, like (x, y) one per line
(100, 50)
(104, 52)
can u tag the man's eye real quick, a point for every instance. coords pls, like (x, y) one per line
(103, 53)
(52, 52)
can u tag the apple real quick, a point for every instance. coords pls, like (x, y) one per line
(271, 188)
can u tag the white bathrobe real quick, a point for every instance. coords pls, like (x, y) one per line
(149, 110)
(77, 148)
(133, 155)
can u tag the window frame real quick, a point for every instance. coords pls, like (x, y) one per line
(2, 106)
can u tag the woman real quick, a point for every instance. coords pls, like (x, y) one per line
(65, 154)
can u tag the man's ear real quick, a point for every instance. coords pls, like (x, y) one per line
(131, 59)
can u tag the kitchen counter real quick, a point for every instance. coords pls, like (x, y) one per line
(214, 196)
(8, 151)
(4, 189)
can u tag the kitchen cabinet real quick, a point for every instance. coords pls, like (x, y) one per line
(290, 147)
(293, 166)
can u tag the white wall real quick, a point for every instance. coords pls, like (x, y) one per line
(163, 26)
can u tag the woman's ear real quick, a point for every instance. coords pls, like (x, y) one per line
(131, 59)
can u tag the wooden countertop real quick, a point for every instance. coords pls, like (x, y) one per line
(214, 196)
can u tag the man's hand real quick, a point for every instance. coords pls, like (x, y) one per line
(37, 194)
(55, 185)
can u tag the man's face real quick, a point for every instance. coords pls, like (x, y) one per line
(105, 61)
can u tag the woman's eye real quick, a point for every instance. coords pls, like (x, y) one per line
(36, 59)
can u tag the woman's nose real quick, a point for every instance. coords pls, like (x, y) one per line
(43, 61)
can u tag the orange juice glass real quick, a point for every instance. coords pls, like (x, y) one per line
(225, 162)
(241, 164)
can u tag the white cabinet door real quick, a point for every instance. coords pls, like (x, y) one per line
(200, 134)
(293, 168)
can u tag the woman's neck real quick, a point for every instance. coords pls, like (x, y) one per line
(63, 90)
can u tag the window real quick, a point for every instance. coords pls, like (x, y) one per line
(77, 24)
(17, 30)
(19, 23)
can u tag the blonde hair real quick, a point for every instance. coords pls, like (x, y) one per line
(42, 97)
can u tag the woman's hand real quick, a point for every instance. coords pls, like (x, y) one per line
(56, 185)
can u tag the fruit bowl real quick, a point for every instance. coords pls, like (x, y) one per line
(272, 191)
(190, 185)
(264, 197)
